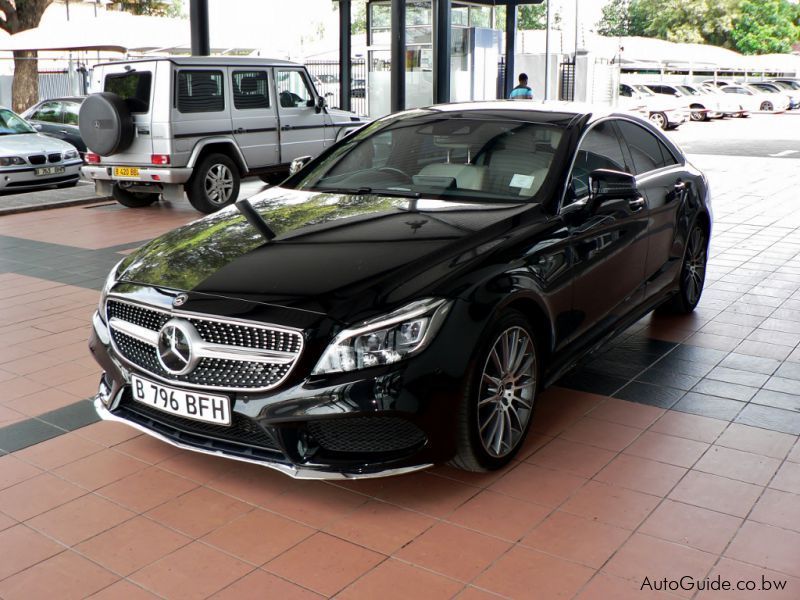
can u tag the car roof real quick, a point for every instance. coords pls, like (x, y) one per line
(63, 99)
(216, 61)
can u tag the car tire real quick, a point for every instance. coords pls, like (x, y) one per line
(214, 184)
(490, 404)
(106, 124)
(699, 116)
(766, 106)
(692, 276)
(660, 120)
(132, 199)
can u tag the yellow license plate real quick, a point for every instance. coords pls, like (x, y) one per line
(126, 171)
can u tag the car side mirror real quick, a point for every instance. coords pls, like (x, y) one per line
(36, 126)
(607, 184)
(320, 104)
(298, 163)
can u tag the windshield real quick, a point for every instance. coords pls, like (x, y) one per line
(11, 123)
(643, 89)
(442, 156)
(689, 90)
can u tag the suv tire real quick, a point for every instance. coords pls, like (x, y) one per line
(214, 183)
(106, 124)
(488, 415)
(132, 199)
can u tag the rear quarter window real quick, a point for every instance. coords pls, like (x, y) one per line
(133, 87)
(200, 91)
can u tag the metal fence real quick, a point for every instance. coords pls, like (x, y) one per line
(326, 78)
(566, 81)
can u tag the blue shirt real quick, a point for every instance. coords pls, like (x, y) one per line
(521, 92)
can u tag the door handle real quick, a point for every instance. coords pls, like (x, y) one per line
(680, 186)
(286, 128)
(240, 130)
(636, 204)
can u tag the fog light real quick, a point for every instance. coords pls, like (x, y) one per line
(104, 391)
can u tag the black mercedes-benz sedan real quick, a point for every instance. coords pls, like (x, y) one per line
(401, 299)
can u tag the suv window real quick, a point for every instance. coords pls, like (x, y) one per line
(200, 91)
(293, 90)
(250, 89)
(600, 149)
(133, 87)
(49, 112)
(647, 151)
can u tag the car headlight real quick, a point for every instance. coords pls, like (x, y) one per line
(10, 161)
(111, 280)
(385, 340)
(70, 154)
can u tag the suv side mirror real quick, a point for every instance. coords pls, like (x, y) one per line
(320, 104)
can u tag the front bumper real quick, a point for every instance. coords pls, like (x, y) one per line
(25, 178)
(163, 175)
(301, 431)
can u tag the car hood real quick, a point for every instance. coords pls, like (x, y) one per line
(333, 254)
(27, 143)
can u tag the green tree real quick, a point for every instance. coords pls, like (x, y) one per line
(615, 21)
(20, 15)
(153, 8)
(766, 26)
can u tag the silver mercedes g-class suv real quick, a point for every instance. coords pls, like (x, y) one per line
(157, 128)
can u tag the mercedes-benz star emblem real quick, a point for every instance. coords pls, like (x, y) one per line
(175, 342)
(180, 300)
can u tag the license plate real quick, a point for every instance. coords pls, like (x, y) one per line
(183, 403)
(49, 171)
(126, 171)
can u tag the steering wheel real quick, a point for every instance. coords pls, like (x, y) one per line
(406, 177)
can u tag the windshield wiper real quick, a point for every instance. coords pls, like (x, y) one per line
(364, 191)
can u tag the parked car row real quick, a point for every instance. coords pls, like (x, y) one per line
(668, 105)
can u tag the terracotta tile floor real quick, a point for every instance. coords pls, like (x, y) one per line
(675, 453)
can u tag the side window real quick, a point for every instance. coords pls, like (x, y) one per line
(71, 110)
(625, 91)
(49, 112)
(200, 91)
(600, 149)
(293, 90)
(250, 90)
(647, 151)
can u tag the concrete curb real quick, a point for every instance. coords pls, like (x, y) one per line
(55, 204)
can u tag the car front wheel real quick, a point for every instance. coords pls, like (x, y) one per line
(766, 106)
(214, 184)
(498, 405)
(660, 120)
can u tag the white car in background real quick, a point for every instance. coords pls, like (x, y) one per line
(755, 100)
(30, 160)
(769, 87)
(663, 111)
(727, 104)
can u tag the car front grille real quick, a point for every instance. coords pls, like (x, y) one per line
(366, 434)
(243, 374)
(37, 159)
(54, 158)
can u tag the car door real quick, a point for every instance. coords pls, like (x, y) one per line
(71, 130)
(665, 184)
(48, 118)
(609, 244)
(302, 125)
(254, 117)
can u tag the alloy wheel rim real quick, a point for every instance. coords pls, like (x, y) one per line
(506, 392)
(219, 184)
(659, 120)
(694, 267)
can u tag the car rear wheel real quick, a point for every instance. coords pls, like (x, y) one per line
(498, 405)
(132, 199)
(660, 120)
(766, 106)
(693, 274)
(214, 184)
(699, 114)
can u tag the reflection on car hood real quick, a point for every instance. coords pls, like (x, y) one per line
(30, 143)
(331, 251)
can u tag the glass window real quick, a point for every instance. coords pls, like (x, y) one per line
(647, 151)
(600, 149)
(293, 90)
(625, 91)
(133, 87)
(200, 91)
(71, 111)
(49, 112)
(250, 89)
(12, 123)
(436, 157)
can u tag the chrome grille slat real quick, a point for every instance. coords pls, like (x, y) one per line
(239, 356)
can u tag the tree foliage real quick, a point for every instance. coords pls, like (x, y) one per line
(153, 8)
(749, 26)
